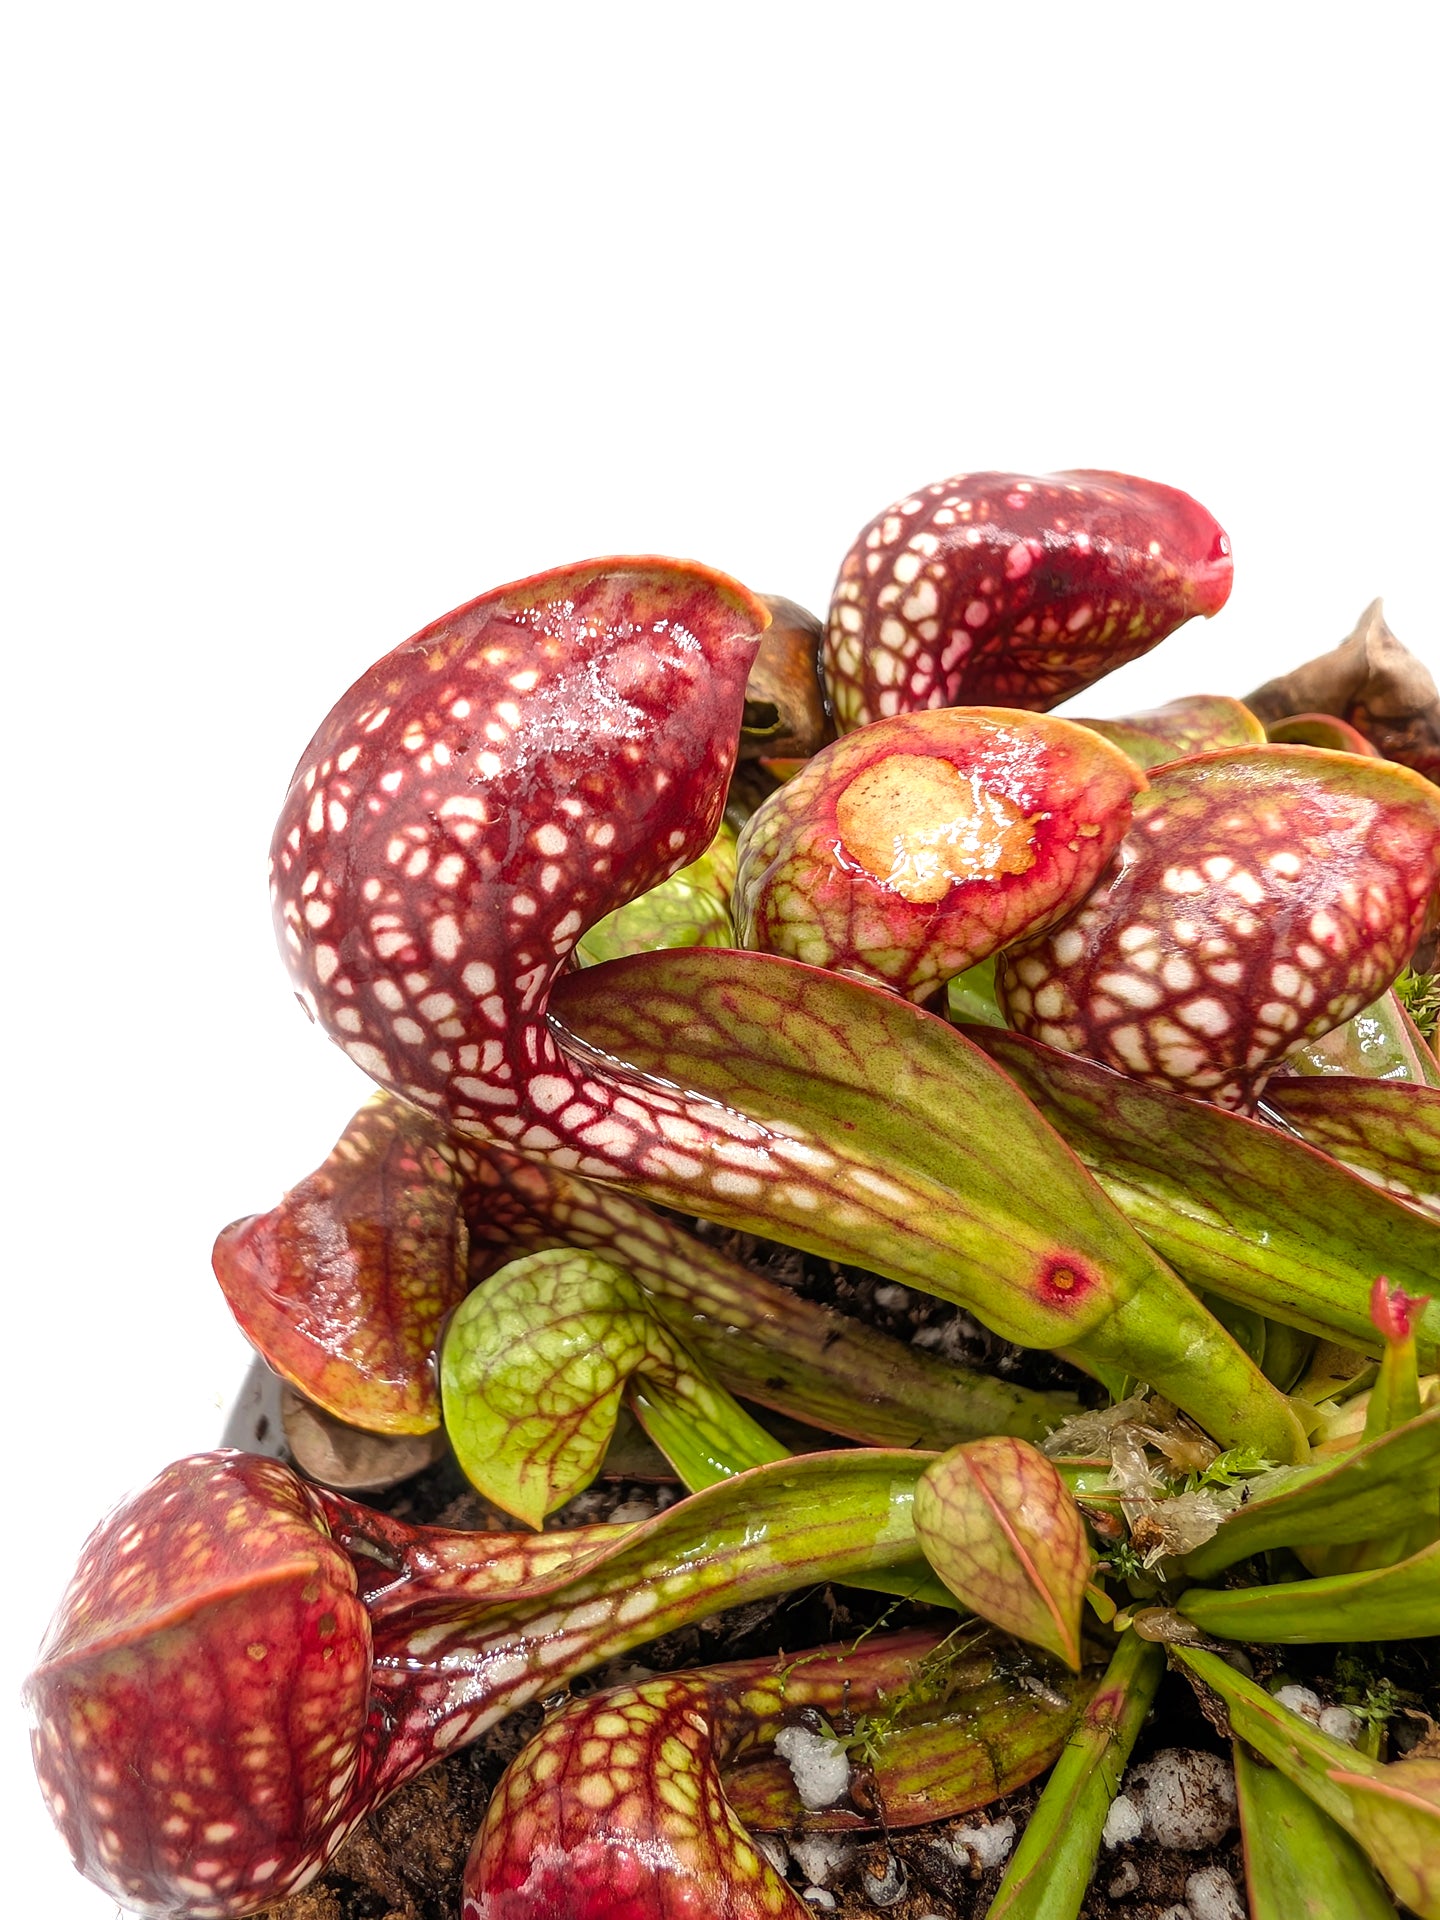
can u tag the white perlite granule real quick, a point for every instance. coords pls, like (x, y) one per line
(820, 1856)
(948, 1339)
(819, 1764)
(1186, 1798)
(629, 1512)
(775, 1851)
(1340, 1723)
(986, 1846)
(1123, 1823)
(1212, 1895)
(1299, 1700)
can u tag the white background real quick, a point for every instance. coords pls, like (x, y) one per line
(324, 318)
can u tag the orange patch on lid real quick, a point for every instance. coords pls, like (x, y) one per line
(919, 826)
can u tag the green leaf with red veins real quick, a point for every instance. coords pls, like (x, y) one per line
(1395, 1819)
(1299, 1865)
(1014, 590)
(1389, 1130)
(1321, 730)
(1239, 1208)
(1262, 896)
(998, 1525)
(534, 1368)
(1393, 1811)
(915, 848)
(1374, 1491)
(1378, 1043)
(758, 1337)
(840, 1119)
(228, 1610)
(690, 909)
(1393, 1405)
(345, 1285)
(1199, 723)
(1400, 1601)
(704, 1442)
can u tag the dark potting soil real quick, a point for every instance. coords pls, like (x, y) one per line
(406, 1861)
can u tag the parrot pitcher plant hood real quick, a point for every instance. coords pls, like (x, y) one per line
(1015, 590)
(1262, 896)
(1162, 923)
(514, 773)
(477, 800)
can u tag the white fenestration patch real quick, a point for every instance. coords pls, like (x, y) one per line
(445, 937)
